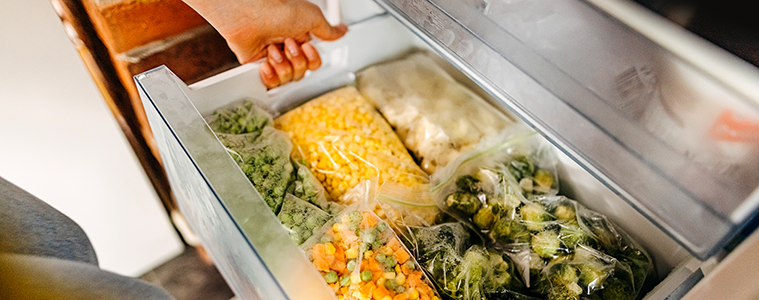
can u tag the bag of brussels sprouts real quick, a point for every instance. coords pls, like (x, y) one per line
(460, 266)
(558, 234)
(361, 257)
(485, 188)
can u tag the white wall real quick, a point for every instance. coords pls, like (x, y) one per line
(59, 141)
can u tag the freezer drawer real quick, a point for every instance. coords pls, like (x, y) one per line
(253, 251)
(661, 117)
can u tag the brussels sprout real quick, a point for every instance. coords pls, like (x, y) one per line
(521, 167)
(508, 230)
(546, 243)
(465, 203)
(534, 216)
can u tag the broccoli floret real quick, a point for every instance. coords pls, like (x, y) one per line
(592, 275)
(521, 167)
(543, 179)
(616, 289)
(571, 234)
(508, 231)
(534, 216)
(467, 184)
(465, 203)
(565, 212)
(484, 218)
(546, 243)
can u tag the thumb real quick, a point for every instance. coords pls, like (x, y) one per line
(327, 32)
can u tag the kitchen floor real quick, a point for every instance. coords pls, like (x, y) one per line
(190, 276)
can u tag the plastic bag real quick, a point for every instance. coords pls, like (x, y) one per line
(265, 159)
(485, 187)
(263, 153)
(462, 270)
(361, 258)
(436, 117)
(408, 206)
(344, 141)
(303, 219)
(565, 236)
(239, 117)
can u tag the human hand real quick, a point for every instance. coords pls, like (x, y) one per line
(288, 62)
(255, 28)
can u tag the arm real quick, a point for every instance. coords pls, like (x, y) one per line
(276, 29)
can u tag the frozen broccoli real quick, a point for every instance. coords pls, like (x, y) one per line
(507, 231)
(616, 289)
(465, 203)
(521, 167)
(544, 179)
(500, 277)
(534, 216)
(565, 212)
(485, 217)
(571, 234)
(546, 243)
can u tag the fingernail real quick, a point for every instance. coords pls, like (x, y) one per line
(293, 48)
(276, 55)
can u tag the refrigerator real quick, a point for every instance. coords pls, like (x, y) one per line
(654, 127)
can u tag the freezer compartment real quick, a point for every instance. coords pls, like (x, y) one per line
(672, 131)
(252, 250)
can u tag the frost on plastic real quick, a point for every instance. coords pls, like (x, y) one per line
(436, 117)
(263, 154)
(265, 160)
(361, 258)
(460, 269)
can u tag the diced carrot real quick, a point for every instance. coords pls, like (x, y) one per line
(379, 293)
(403, 296)
(340, 254)
(405, 270)
(321, 264)
(338, 265)
(415, 279)
(401, 255)
(368, 221)
(334, 287)
(423, 296)
(375, 266)
(394, 244)
(319, 250)
(368, 288)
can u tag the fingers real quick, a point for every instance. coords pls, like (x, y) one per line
(312, 56)
(297, 59)
(281, 66)
(288, 64)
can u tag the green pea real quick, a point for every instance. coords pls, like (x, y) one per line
(345, 280)
(330, 277)
(366, 275)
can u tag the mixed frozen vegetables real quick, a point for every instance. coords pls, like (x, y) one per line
(361, 258)
(488, 223)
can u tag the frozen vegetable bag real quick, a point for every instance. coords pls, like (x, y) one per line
(361, 258)
(344, 141)
(263, 154)
(436, 117)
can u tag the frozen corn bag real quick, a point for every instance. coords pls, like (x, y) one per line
(301, 218)
(361, 258)
(436, 117)
(344, 141)
(265, 159)
(239, 117)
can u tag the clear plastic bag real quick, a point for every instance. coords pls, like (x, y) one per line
(302, 218)
(460, 269)
(482, 188)
(361, 258)
(344, 141)
(436, 117)
(239, 117)
(265, 159)
(408, 206)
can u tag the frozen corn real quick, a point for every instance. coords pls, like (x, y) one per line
(344, 141)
